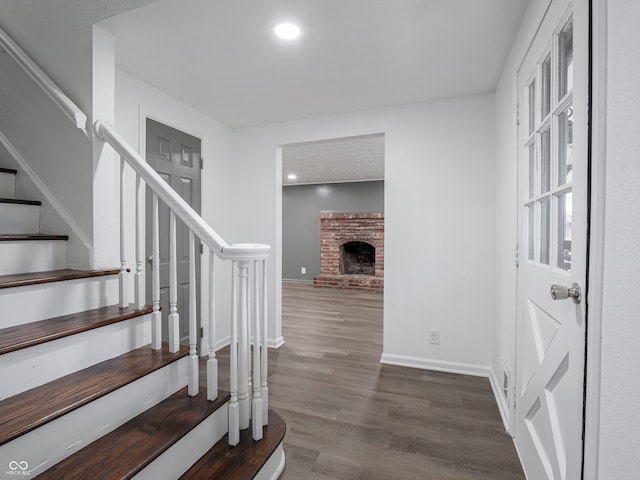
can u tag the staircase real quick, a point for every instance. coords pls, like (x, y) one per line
(82, 393)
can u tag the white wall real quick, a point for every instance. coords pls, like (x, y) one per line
(439, 210)
(619, 437)
(135, 100)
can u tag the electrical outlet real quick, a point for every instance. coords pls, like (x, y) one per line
(434, 337)
(303, 270)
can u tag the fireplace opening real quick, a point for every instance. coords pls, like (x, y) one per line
(357, 258)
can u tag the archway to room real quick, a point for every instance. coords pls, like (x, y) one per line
(333, 234)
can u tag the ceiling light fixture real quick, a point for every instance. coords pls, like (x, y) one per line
(287, 31)
(292, 176)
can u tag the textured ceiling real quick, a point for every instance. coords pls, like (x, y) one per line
(220, 56)
(352, 159)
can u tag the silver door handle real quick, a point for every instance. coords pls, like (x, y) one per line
(558, 292)
(150, 260)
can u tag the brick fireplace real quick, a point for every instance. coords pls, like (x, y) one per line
(351, 251)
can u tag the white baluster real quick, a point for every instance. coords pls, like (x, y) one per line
(139, 275)
(174, 318)
(234, 410)
(256, 413)
(265, 349)
(123, 278)
(212, 362)
(193, 334)
(243, 345)
(156, 316)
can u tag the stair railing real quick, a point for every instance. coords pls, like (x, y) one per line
(248, 291)
(249, 272)
(64, 103)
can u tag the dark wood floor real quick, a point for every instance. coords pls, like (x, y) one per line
(349, 417)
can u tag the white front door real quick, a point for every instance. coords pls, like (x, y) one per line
(552, 224)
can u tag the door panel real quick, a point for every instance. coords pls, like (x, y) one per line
(176, 156)
(552, 219)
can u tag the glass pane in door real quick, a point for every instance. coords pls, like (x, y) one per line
(545, 237)
(565, 147)
(531, 219)
(532, 107)
(565, 58)
(545, 161)
(545, 86)
(532, 170)
(565, 207)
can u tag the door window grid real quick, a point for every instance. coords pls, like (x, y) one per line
(549, 160)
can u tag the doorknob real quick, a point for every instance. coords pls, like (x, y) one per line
(558, 292)
(150, 260)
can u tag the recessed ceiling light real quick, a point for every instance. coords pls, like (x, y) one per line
(292, 176)
(287, 31)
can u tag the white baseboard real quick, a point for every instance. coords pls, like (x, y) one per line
(271, 343)
(503, 406)
(275, 343)
(437, 365)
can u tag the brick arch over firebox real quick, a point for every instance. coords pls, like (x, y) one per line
(336, 229)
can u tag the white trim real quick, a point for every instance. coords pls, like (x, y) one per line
(597, 243)
(276, 343)
(224, 342)
(437, 365)
(498, 392)
(46, 193)
(274, 467)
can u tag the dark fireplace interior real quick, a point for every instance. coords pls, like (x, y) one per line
(357, 258)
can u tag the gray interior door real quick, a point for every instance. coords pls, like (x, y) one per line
(176, 156)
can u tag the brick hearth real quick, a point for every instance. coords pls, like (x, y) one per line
(337, 229)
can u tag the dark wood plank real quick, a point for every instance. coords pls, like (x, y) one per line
(19, 237)
(8, 170)
(18, 201)
(243, 461)
(35, 278)
(350, 417)
(28, 335)
(29, 410)
(127, 450)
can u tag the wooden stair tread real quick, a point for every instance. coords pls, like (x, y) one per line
(128, 449)
(34, 278)
(15, 237)
(18, 201)
(31, 409)
(24, 336)
(8, 170)
(243, 461)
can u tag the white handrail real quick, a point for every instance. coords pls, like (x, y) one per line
(43, 80)
(183, 210)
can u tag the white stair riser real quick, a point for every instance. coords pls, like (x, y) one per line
(17, 218)
(21, 305)
(274, 466)
(7, 185)
(188, 450)
(64, 436)
(31, 367)
(32, 256)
